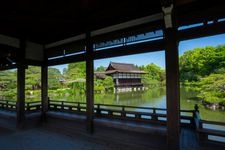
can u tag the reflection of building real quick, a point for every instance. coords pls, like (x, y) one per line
(126, 77)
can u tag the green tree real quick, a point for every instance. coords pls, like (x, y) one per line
(76, 71)
(155, 76)
(54, 78)
(8, 79)
(201, 62)
(33, 78)
(212, 88)
(100, 69)
(108, 83)
(205, 68)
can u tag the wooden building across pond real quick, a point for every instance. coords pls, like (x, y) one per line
(126, 77)
(46, 33)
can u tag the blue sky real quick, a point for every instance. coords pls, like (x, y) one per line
(159, 57)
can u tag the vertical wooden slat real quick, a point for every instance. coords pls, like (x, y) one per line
(44, 91)
(21, 85)
(89, 83)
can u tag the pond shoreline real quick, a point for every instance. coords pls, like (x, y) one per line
(213, 106)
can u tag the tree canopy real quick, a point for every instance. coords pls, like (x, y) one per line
(205, 67)
(155, 75)
(201, 62)
(54, 78)
(76, 71)
(101, 68)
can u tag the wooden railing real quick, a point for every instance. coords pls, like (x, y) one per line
(131, 113)
(206, 129)
(65, 106)
(8, 104)
(30, 107)
(149, 114)
(187, 118)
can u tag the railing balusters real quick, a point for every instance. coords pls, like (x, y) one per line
(123, 113)
(137, 115)
(62, 105)
(7, 104)
(110, 113)
(78, 106)
(98, 111)
(28, 107)
(154, 115)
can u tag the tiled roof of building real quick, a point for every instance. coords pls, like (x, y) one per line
(122, 67)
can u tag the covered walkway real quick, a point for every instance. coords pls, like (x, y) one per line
(44, 34)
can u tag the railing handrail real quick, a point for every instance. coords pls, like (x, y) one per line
(16, 101)
(35, 103)
(125, 106)
(32, 106)
(66, 102)
(188, 111)
(8, 101)
(213, 122)
(110, 105)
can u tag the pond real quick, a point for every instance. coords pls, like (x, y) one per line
(152, 98)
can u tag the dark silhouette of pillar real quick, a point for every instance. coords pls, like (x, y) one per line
(172, 80)
(89, 84)
(20, 109)
(44, 91)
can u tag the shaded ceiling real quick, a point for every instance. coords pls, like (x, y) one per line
(46, 21)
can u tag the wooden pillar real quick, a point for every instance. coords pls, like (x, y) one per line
(89, 84)
(44, 91)
(172, 81)
(21, 86)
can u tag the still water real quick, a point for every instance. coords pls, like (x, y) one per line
(152, 98)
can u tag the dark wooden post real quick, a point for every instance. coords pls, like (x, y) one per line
(44, 91)
(89, 83)
(154, 115)
(21, 85)
(98, 111)
(172, 80)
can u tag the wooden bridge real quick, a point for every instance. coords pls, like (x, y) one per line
(190, 119)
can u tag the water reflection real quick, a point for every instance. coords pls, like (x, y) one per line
(152, 98)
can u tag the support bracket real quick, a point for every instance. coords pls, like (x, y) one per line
(168, 16)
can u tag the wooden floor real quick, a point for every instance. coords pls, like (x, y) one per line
(112, 134)
(62, 130)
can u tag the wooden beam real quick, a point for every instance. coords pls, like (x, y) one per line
(34, 62)
(196, 12)
(10, 41)
(89, 84)
(141, 29)
(66, 60)
(21, 86)
(65, 41)
(202, 31)
(152, 46)
(128, 24)
(44, 91)
(14, 66)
